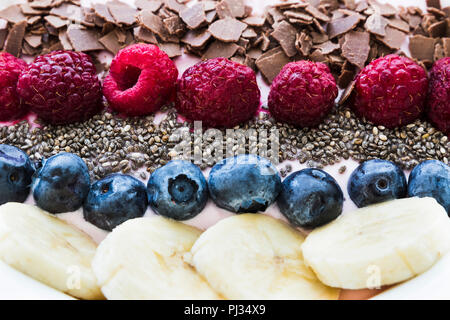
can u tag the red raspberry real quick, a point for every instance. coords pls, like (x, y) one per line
(11, 107)
(61, 87)
(219, 92)
(303, 93)
(141, 80)
(391, 91)
(438, 108)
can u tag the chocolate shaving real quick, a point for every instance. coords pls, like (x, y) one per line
(220, 49)
(3, 31)
(254, 21)
(28, 10)
(194, 16)
(438, 29)
(145, 35)
(399, 24)
(422, 48)
(347, 93)
(317, 14)
(152, 5)
(13, 44)
(438, 52)
(434, 3)
(271, 63)
(13, 14)
(197, 38)
(102, 11)
(171, 49)
(227, 30)
(356, 47)
(175, 26)
(42, 4)
(153, 23)
(376, 24)
(299, 16)
(446, 45)
(33, 40)
(64, 39)
(111, 42)
(70, 12)
(83, 40)
(286, 35)
(122, 13)
(303, 43)
(385, 9)
(393, 38)
(231, 9)
(249, 33)
(327, 47)
(174, 5)
(342, 25)
(56, 22)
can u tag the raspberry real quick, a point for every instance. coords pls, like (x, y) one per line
(11, 107)
(218, 92)
(391, 91)
(61, 87)
(302, 94)
(438, 108)
(141, 80)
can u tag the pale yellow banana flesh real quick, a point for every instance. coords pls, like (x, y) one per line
(48, 250)
(144, 259)
(379, 245)
(254, 256)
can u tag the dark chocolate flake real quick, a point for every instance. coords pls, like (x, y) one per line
(197, 38)
(171, 49)
(393, 38)
(83, 39)
(271, 63)
(220, 49)
(317, 14)
(342, 25)
(286, 35)
(13, 44)
(13, 14)
(122, 13)
(152, 5)
(422, 48)
(194, 16)
(254, 21)
(56, 22)
(356, 47)
(376, 24)
(227, 30)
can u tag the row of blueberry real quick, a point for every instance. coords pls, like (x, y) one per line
(179, 190)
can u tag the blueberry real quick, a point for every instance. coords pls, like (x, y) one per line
(431, 179)
(16, 171)
(310, 198)
(178, 190)
(114, 200)
(376, 181)
(61, 184)
(244, 184)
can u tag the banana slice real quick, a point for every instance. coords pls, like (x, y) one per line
(144, 259)
(254, 256)
(48, 250)
(379, 245)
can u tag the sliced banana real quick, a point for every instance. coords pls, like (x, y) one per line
(254, 256)
(379, 245)
(144, 259)
(48, 250)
